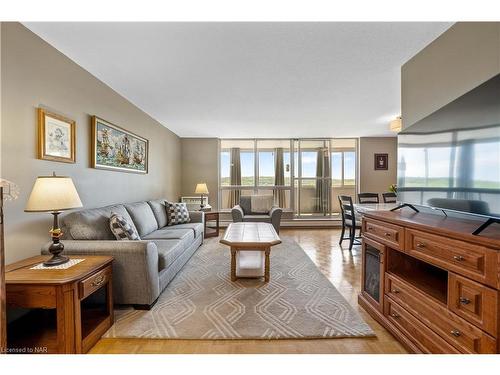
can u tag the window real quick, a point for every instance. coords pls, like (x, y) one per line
(303, 176)
(225, 167)
(349, 168)
(257, 167)
(247, 168)
(266, 168)
(344, 169)
(337, 169)
(309, 159)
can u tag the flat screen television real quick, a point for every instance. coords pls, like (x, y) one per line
(450, 160)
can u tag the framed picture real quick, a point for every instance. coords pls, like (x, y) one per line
(56, 137)
(118, 149)
(381, 162)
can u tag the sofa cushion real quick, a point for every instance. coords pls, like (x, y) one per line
(167, 234)
(169, 251)
(122, 229)
(257, 218)
(177, 213)
(143, 217)
(246, 204)
(160, 211)
(197, 228)
(92, 224)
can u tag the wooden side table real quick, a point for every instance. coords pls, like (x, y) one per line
(72, 307)
(211, 230)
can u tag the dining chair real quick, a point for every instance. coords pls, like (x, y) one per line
(368, 198)
(349, 221)
(389, 197)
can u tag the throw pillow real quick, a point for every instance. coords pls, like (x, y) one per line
(121, 228)
(177, 213)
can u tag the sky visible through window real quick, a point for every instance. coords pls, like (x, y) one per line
(309, 159)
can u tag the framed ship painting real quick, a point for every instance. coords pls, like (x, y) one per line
(56, 137)
(117, 149)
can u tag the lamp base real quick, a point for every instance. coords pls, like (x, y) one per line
(57, 246)
(56, 260)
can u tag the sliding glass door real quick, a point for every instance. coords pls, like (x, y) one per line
(312, 178)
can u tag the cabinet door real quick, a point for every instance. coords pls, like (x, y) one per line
(372, 275)
(474, 302)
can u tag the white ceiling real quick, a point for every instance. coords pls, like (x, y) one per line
(251, 79)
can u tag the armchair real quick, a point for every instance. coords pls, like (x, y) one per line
(243, 213)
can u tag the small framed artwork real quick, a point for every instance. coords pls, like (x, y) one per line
(56, 137)
(117, 149)
(381, 162)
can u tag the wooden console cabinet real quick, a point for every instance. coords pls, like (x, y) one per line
(431, 283)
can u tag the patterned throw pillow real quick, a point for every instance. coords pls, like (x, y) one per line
(122, 229)
(177, 213)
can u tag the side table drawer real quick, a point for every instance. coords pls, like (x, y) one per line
(89, 285)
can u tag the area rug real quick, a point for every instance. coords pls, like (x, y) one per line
(203, 303)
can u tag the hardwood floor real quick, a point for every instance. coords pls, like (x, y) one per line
(343, 269)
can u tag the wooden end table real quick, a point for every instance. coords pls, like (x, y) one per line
(64, 319)
(250, 237)
(211, 230)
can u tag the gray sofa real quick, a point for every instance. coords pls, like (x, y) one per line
(243, 213)
(141, 269)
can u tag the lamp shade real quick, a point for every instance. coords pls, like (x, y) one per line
(53, 193)
(396, 125)
(201, 189)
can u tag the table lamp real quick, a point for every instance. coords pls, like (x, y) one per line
(202, 190)
(54, 194)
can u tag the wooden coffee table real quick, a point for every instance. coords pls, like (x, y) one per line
(250, 237)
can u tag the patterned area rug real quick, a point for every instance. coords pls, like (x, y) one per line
(202, 302)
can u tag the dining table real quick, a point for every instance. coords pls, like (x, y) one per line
(362, 208)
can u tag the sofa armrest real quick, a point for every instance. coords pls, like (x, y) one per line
(135, 267)
(275, 214)
(197, 216)
(237, 214)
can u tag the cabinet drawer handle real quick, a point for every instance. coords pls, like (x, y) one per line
(369, 228)
(395, 316)
(387, 234)
(98, 281)
(396, 291)
(455, 332)
(420, 245)
(464, 301)
(458, 258)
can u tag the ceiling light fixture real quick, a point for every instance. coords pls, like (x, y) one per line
(396, 125)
